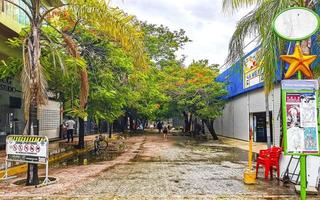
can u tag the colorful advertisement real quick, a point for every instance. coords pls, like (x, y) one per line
(300, 112)
(32, 149)
(252, 72)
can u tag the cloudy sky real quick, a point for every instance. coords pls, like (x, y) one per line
(205, 23)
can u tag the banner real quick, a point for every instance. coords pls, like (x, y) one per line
(301, 117)
(27, 148)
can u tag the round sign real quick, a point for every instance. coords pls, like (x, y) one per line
(296, 23)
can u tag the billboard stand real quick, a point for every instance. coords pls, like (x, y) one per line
(28, 149)
(46, 181)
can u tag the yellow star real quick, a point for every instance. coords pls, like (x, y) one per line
(298, 62)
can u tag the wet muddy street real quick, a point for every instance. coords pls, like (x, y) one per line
(180, 168)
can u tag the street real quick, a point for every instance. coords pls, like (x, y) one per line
(153, 168)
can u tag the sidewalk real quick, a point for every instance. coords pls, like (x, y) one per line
(58, 149)
(241, 144)
(68, 178)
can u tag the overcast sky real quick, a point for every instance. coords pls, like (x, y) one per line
(203, 20)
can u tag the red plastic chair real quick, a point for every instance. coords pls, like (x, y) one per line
(269, 158)
(275, 157)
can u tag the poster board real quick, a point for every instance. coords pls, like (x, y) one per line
(300, 117)
(27, 148)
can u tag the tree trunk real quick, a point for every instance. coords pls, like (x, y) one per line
(110, 130)
(210, 126)
(33, 129)
(35, 89)
(81, 133)
(202, 127)
(124, 124)
(268, 121)
(131, 124)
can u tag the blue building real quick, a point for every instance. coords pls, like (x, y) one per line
(245, 106)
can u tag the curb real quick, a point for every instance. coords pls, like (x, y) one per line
(12, 171)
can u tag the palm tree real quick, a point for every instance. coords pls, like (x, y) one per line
(111, 22)
(258, 23)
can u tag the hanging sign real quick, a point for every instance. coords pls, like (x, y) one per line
(299, 99)
(291, 23)
(27, 148)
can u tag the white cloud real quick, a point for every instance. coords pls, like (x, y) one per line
(203, 20)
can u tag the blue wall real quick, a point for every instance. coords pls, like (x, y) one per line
(233, 76)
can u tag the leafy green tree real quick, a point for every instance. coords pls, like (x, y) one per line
(162, 44)
(112, 23)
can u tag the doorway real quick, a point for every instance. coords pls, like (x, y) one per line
(260, 126)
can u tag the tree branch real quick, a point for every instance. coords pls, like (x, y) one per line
(50, 10)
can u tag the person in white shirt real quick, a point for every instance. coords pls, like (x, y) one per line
(70, 127)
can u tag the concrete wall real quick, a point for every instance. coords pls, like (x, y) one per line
(235, 120)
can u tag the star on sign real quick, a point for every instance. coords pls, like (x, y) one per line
(298, 62)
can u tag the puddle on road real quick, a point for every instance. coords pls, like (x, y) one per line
(85, 159)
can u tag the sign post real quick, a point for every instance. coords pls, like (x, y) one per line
(29, 149)
(299, 97)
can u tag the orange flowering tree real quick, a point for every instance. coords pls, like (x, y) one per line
(194, 92)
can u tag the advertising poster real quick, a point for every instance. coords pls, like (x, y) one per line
(308, 111)
(33, 149)
(252, 72)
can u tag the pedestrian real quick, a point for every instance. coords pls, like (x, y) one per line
(159, 126)
(64, 130)
(165, 132)
(70, 127)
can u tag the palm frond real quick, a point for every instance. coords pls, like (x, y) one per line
(84, 90)
(114, 24)
(33, 81)
(259, 23)
(235, 5)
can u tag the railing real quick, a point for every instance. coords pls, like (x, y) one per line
(13, 12)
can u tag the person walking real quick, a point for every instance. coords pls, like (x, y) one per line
(159, 126)
(70, 127)
(165, 133)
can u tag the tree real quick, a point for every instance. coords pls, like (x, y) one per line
(258, 23)
(112, 23)
(194, 92)
(163, 44)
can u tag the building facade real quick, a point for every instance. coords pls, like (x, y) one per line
(12, 121)
(246, 109)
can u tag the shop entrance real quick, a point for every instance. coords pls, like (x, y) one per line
(260, 127)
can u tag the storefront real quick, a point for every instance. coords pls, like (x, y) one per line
(245, 107)
(11, 112)
(12, 117)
